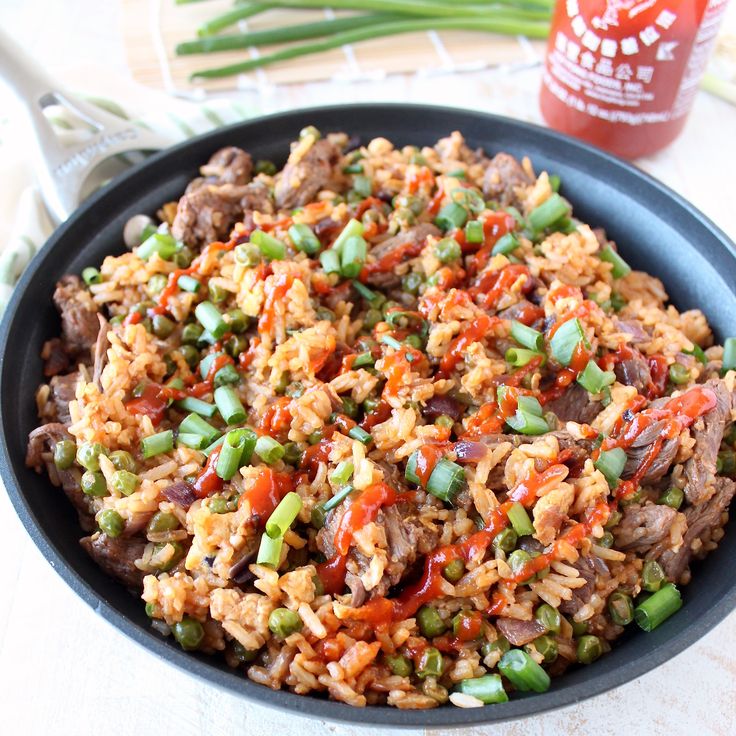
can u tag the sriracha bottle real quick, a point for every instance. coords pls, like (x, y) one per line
(623, 74)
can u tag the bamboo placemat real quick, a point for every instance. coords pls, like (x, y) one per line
(152, 29)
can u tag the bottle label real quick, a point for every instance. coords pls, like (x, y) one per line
(630, 61)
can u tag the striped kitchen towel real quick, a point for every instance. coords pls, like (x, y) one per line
(32, 226)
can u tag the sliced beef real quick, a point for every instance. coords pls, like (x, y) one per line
(522, 310)
(591, 569)
(229, 165)
(641, 527)
(55, 358)
(302, 179)
(79, 323)
(116, 556)
(634, 371)
(42, 441)
(502, 178)
(440, 405)
(520, 632)
(633, 328)
(639, 449)
(63, 390)
(707, 431)
(407, 244)
(575, 405)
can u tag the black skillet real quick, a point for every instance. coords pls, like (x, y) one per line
(656, 230)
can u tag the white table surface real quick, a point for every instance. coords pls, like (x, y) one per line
(64, 670)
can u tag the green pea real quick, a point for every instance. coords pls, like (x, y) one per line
(672, 497)
(191, 333)
(444, 421)
(726, 463)
(317, 517)
(517, 561)
(579, 627)
(292, 454)
(162, 326)
(216, 293)
(147, 323)
(242, 654)
(430, 664)
(125, 482)
(547, 647)
(501, 644)
(315, 437)
(88, 455)
(162, 521)
(652, 576)
(64, 453)
(188, 632)
(183, 257)
(218, 505)
(248, 254)
(190, 355)
(174, 559)
(589, 649)
(448, 250)
(110, 522)
(372, 318)
(414, 341)
(156, 284)
(388, 306)
(679, 374)
(370, 404)
(620, 608)
(310, 132)
(432, 689)
(323, 313)
(93, 484)
(606, 540)
(151, 610)
(403, 217)
(235, 345)
(613, 520)
(430, 622)
(123, 460)
(412, 282)
(238, 320)
(549, 617)
(116, 320)
(265, 167)
(506, 540)
(633, 498)
(459, 619)
(284, 622)
(454, 571)
(399, 665)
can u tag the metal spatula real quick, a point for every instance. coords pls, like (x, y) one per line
(63, 169)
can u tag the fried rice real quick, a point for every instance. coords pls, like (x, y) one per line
(389, 424)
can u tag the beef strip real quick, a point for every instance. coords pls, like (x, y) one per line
(63, 390)
(99, 357)
(520, 632)
(575, 405)
(634, 371)
(55, 358)
(639, 449)
(301, 180)
(521, 309)
(116, 556)
(414, 237)
(702, 520)
(641, 527)
(43, 440)
(707, 431)
(503, 176)
(590, 568)
(79, 322)
(633, 328)
(229, 165)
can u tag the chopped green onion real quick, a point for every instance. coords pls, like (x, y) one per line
(363, 359)
(658, 607)
(506, 244)
(228, 374)
(365, 292)
(553, 209)
(523, 672)
(188, 283)
(554, 182)
(529, 405)
(353, 228)
(338, 498)
(446, 480)
(283, 515)
(250, 445)
(699, 353)
(452, 215)
(527, 423)
(304, 239)
(430, 663)
(209, 316)
(362, 185)
(620, 608)
(448, 250)
(269, 449)
(229, 405)
(353, 169)
(620, 267)
(156, 444)
(161, 243)
(209, 449)
(520, 520)
(518, 357)
(411, 469)
(194, 424)
(566, 340)
(474, 232)
(191, 440)
(190, 403)
(231, 454)
(468, 198)
(354, 251)
(729, 354)
(652, 576)
(392, 342)
(272, 248)
(330, 260)
(91, 275)
(342, 473)
(528, 337)
(269, 552)
(358, 433)
(593, 379)
(611, 463)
